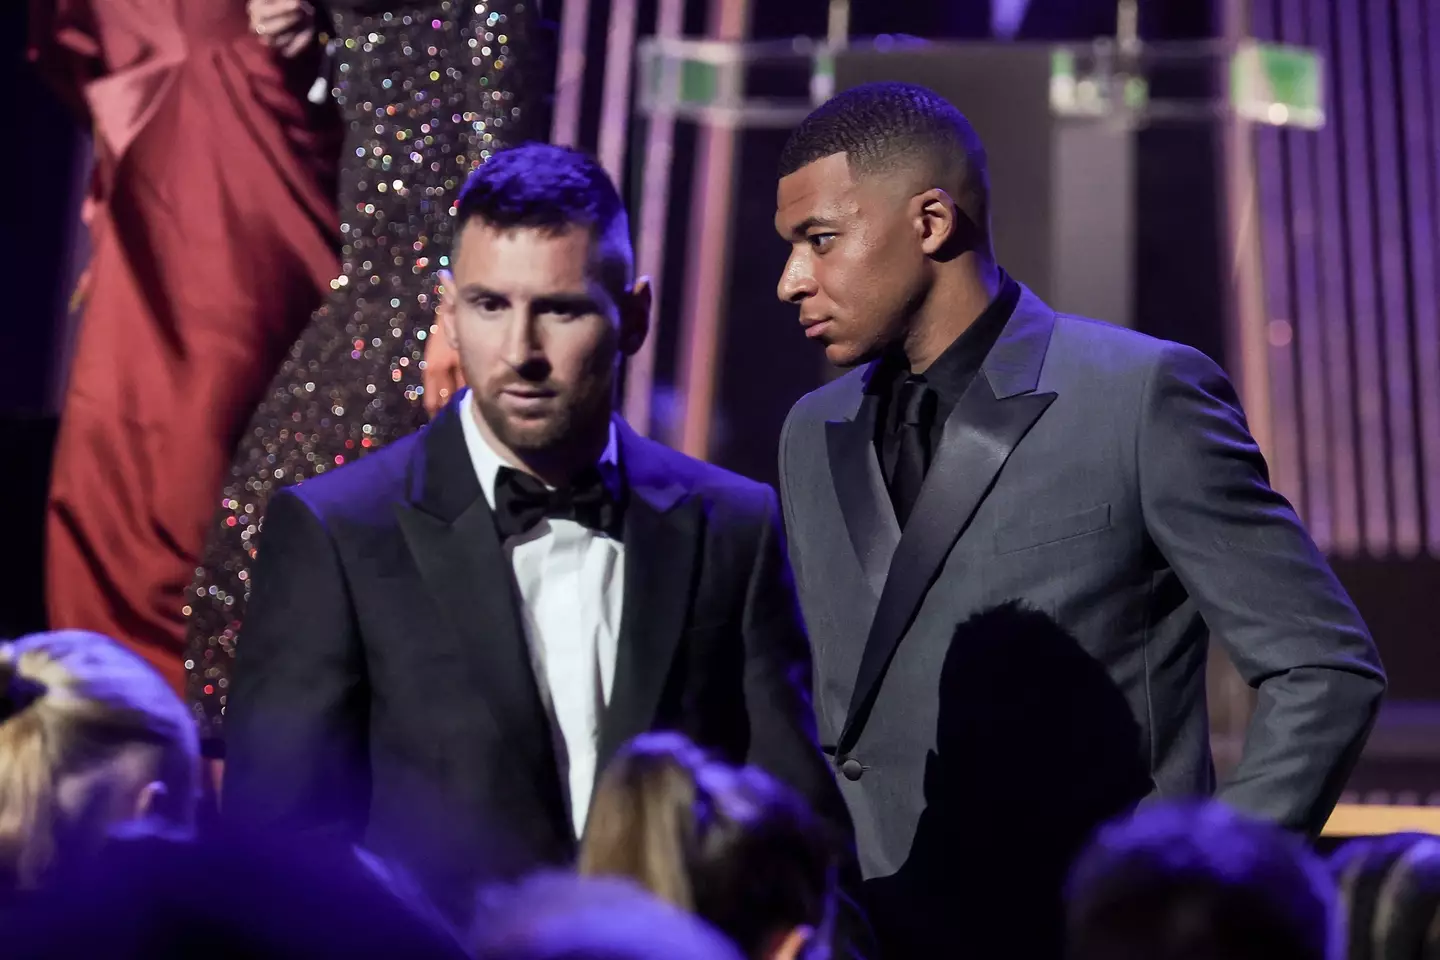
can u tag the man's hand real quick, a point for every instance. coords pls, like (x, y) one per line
(441, 376)
(285, 26)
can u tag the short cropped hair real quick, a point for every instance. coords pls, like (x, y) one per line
(883, 126)
(1200, 882)
(549, 188)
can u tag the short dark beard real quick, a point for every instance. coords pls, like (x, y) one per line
(564, 442)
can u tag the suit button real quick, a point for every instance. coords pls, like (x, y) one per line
(852, 769)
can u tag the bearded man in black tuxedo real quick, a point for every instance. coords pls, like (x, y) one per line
(448, 639)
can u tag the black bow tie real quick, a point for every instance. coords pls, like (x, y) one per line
(522, 501)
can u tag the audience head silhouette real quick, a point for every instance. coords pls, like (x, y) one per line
(1199, 882)
(562, 917)
(1390, 896)
(90, 738)
(226, 896)
(730, 844)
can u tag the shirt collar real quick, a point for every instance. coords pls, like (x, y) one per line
(957, 365)
(488, 461)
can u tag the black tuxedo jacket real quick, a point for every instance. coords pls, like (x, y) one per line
(384, 691)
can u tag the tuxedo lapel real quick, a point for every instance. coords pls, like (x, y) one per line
(451, 534)
(663, 529)
(993, 415)
(860, 488)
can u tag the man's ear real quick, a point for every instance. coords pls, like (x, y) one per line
(445, 309)
(939, 222)
(635, 317)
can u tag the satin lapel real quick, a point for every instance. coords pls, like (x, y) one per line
(991, 418)
(451, 535)
(663, 531)
(860, 487)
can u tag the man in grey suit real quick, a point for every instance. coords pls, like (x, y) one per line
(1015, 533)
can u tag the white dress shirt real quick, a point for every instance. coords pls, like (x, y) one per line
(571, 582)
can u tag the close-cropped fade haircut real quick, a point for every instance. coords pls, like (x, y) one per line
(885, 127)
(552, 189)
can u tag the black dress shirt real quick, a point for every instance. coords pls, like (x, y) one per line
(949, 376)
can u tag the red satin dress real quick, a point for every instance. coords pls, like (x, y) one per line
(213, 236)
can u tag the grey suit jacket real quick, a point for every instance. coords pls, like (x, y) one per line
(1107, 482)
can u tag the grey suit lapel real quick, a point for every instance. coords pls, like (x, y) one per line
(860, 488)
(991, 418)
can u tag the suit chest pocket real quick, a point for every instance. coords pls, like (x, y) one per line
(1054, 530)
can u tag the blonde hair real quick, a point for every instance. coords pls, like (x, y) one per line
(730, 844)
(77, 705)
(641, 823)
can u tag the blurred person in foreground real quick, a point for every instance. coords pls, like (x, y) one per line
(449, 638)
(1200, 882)
(1390, 896)
(91, 739)
(985, 450)
(563, 917)
(226, 896)
(729, 844)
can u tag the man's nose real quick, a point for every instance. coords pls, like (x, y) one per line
(796, 280)
(522, 342)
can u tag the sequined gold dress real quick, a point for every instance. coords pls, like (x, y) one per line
(428, 92)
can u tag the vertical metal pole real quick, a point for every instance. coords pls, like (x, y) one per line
(1247, 333)
(615, 96)
(710, 214)
(650, 232)
(570, 73)
(1247, 348)
(837, 23)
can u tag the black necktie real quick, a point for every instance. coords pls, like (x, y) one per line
(522, 501)
(916, 415)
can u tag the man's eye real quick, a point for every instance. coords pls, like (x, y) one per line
(487, 304)
(820, 240)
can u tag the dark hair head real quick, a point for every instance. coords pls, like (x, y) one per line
(883, 127)
(732, 844)
(1390, 894)
(1199, 882)
(539, 186)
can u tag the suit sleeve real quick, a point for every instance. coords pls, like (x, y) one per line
(1264, 591)
(778, 699)
(778, 675)
(296, 719)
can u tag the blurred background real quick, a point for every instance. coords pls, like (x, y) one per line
(1255, 178)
